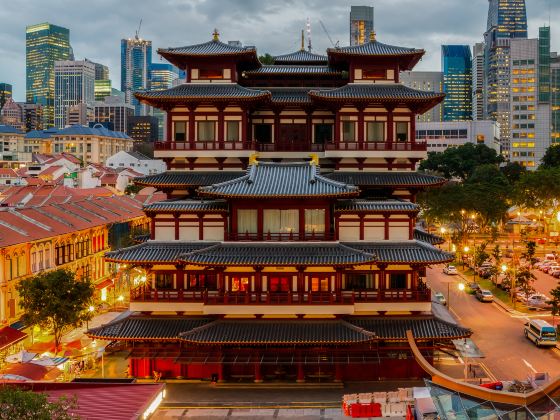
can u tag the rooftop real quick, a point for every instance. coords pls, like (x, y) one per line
(8, 129)
(300, 57)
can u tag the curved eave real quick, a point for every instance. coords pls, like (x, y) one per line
(136, 262)
(111, 338)
(274, 264)
(163, 100)
(292, 197)
(407, 60)
(173, 211)
(351, 211)
(279, 343)
(181, 59)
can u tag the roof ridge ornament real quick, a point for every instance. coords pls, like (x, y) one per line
(253, 159)
(314, 159)
(215, 35)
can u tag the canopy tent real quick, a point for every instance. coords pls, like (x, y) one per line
(22, 356)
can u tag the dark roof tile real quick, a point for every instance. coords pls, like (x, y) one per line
(403, 252)
(209, 206)
(213, 47)
(375, 48)
(386, 179)
(187, 178)
(189, 91)
(154, 252)
(375, 91)
(300, 57)
(375, 206)
(422, 328)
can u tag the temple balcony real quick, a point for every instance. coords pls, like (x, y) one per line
(292, 236)
(266, 302)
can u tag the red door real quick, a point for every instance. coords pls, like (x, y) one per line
(279, 284)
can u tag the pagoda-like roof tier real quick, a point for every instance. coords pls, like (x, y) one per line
(426, 328)
(290, 96)
(187, 206)
(360, 206)
(155, 252)
(407, 58)
(387, 179)
(301, 57)
(183, 56)
(277, 254)
(187, 179)
(293, 70)
(429, 238)
(280, 180)
(281, 332)
(202, 92)
(379, 93)
(302, 332)
(403, 252)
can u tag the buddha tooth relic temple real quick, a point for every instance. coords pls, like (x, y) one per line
(287, 248)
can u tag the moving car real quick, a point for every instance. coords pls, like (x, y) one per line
(450, 270)
(484, 295)
(439, 298)
(538, 300)
(540, 332)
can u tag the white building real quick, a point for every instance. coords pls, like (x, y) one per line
(429, 81)
(136, 161)
(442, 135)
(74, 83)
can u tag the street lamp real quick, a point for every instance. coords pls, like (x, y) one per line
(512, 281)
(90, 310)
(466, 250)
(460, 287)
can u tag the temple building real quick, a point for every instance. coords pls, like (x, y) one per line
(287, 248)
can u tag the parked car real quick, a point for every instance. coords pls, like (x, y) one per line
(484, 295)
(538, 300)
(474, 286)
(484, 268)
(439, 298)
(554, 272)
(450, 270)
(551, 267)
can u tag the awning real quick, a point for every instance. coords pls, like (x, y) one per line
(10, 336)
(104, 284)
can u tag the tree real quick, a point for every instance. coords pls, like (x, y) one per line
(55, 300)
(480, 254)
(524, 279)
(460, 162)
(551, 158)
(513, 171)
(530, 249)
(266, 59)
(19, 404)
(555, 293)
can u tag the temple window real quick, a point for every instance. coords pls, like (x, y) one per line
(164, 281)
(359, 281)
(239, 284)
(210, 74)
(374, 74)
(323, 133)
(206, 130)
(320, 284)
(281, 221)
(348, 131)
(202, 281)
(247, 221)
(375, 131)
(314, 220)
(398, 281)
(279, 283)
(263, 133)
(232, 130)
(179, 130)
(402, 131)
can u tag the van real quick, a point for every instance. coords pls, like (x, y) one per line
(540, 332)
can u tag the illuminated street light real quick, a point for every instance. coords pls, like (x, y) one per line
(461, 286)
(504, 268)
(466, 249)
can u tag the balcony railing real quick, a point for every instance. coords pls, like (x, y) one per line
(209, 297)
(292, 236)
(292, 146)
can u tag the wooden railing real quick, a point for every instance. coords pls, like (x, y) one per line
(381, 146)
(346, 297)
(292, 236)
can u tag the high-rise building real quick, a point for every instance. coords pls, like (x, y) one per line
(79, 114)
(5, 93)
(103, 84)
(530, 116)
(361, 24)
(143, 128)
(456, 63)
(555, 98)
(162, 77)
(507, 19)
(113, 109)
(45, 43)
(478, 82)
(12, 114)
(101, 71)
(136, 60)
(74, 84)
(428, 81)
(33, 116)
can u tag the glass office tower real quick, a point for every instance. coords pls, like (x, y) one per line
(456, 62)
(162, 77)
(5, 93)
(136, 60)
(44, 44)
(361, 24)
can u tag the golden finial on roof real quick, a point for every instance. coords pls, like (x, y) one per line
(216, 35)
(253, 159)
(302, 41)
(372, 36)
(314, 159)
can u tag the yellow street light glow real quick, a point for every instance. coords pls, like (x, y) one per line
(462, 211)
(466, 249)
(473, 216)
(504, 268)
(442, 229)
(461, 286)
(558, 216)
(120, 298)
(454, 247)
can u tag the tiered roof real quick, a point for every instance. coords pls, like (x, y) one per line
(387, 179)
(186, 179)
(393, 206)
(187, 206)
(301, 57)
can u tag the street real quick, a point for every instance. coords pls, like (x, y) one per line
(498, 334)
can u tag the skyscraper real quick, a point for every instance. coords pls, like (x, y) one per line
(74, 84)
(102, 81)
(456, 63)
(478, 82)
(507, 19)
(161, 77)
(5, 93)
(136, 60)
(429, 81)
(361, 24)
(44, 44)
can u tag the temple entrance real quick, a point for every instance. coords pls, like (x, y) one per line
(279, 284)
(263, 133)
(292, 137)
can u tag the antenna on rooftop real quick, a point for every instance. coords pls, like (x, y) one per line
(138, 30)
(308, 26)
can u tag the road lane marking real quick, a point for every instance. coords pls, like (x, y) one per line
(460, 360)
(455, 313)
(529, 366)
(487, 371)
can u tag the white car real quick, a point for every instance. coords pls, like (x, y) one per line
(538, 300)
(450, 270)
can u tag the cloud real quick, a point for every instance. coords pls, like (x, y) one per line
(274, 26)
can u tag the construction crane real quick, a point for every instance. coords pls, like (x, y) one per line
(308, 26)
(327, 33)
(138, 30)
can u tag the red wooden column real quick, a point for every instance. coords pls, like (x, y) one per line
(362, 227)
(153, 228)
(300, 280)
(301, 216)
(277, 140)
(309, 126)
(258, 369)
(192, 124)
(337, 372)
(386, 219)
(382, 275)
(412, 138)
(176, 219)
(336, 227)
(258, 278)
(411, 228)
(337, 126)
(169, 124)
(244, 137)
(361, 131)
(390, 129)
(200, 227)
(221, 126)
(300, 371)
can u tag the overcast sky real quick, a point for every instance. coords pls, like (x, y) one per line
(274, 26)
